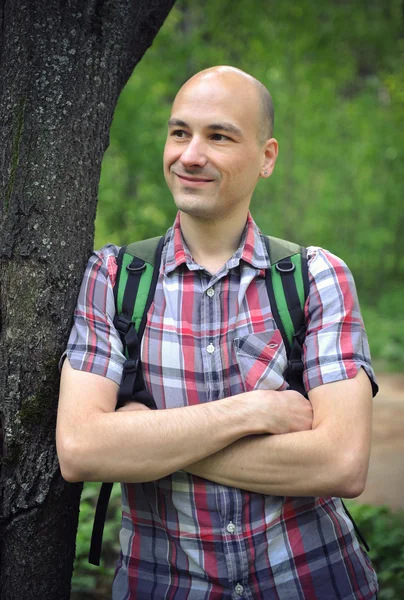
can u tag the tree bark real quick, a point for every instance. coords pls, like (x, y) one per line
(63, 64)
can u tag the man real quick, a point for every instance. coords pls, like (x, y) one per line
(232, 485)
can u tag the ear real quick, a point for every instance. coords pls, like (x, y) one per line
(270, 156)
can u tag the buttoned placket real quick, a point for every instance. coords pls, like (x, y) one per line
(210, 316)
(234, 546)
(230, 510)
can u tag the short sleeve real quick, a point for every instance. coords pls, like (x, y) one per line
(336, 344)
(94, 344)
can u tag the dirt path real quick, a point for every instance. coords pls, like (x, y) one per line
(385, 484)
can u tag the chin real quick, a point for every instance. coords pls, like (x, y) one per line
(193, 206)
(196, 213)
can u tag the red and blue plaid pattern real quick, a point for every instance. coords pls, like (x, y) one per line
(209, 337)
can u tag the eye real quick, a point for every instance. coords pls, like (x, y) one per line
(219, 137)
(179, 133)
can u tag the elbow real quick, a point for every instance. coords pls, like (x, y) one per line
(352, 474)
(70, 476)
(353, 487)
(70, 461)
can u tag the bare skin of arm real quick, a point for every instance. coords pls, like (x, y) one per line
(329, 460)
(97, 443)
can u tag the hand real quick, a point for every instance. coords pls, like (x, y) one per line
(291, 412)
(280, 412)
(132, 406)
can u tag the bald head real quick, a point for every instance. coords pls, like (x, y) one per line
(267, 119)
(233, 75)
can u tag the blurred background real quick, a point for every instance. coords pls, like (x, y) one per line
(335, 69)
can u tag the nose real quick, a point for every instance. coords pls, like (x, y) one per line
(194, 154)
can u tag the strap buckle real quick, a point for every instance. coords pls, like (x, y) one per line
(295, 366)
(122, 324)
(285, 266)
(136, 266)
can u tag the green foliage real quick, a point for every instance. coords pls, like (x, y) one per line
(384, 532)
(386, 331)
(339, 104)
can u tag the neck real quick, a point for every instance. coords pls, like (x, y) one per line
(212, 243)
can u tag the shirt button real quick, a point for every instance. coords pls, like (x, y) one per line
(210, 292)
(239, 589)
(231, 528)
(210, 349)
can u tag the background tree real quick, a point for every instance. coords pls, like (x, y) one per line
(62, 67)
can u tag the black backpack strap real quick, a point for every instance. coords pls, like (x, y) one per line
(99, 522)
(138, 270)
(288, 287)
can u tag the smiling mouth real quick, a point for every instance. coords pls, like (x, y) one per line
(192, 180)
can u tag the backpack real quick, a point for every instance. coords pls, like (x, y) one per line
(287, 284)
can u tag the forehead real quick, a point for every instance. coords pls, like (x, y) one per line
(228, 99)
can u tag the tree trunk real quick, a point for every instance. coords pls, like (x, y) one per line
(63, 64)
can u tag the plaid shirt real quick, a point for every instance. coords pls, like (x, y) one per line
(209, 337)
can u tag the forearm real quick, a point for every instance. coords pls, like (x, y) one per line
(97, 443)
(330, 460)
(292, 464)
(147, 445)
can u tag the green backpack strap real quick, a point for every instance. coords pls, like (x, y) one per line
(289, 277)
(288, 286)
(134, 281)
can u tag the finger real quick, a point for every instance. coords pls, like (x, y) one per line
(130, 406)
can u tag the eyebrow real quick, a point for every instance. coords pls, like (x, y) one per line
(177, 123)
(228, 127)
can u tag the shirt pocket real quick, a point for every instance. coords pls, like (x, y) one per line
(262, 361)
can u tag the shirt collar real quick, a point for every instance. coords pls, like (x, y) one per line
(252, 249)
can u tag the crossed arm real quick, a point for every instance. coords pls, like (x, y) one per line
(330, 459)
(263, 441)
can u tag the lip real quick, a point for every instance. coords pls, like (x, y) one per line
(193, 181)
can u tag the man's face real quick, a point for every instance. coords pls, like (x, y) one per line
(212, 156)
